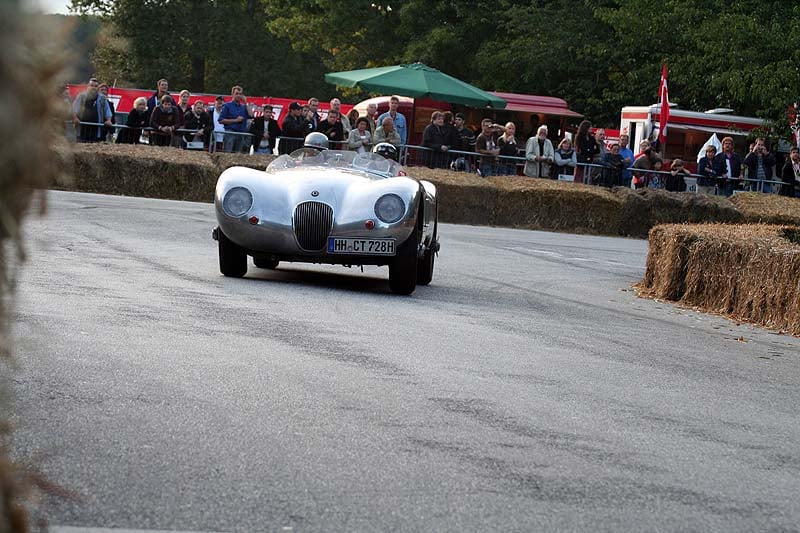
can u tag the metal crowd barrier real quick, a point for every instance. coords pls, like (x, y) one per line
(177, 134)
(458, 160)
(593, 170)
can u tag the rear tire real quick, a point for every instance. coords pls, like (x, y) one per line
(425, 267)
(403, 269)
(232, 257)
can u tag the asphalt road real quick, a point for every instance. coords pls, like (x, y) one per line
(527, 388)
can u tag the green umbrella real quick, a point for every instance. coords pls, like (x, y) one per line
(418, 81)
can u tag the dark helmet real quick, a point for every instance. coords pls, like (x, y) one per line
(387, 150)
(316, 140)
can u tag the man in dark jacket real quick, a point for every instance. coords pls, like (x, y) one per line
(91, 106)
(790, 174)
(730, 165)
(197, 118)
(436, 138)
(162, 88)
(760, 165)
(265, 131)
(294, 130)
(333, 129)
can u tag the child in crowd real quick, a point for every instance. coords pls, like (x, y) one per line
(614, 162)
(675, 182)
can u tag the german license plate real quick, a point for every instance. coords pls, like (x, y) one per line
(339, 245)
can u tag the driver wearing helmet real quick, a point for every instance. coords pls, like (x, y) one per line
(387, 150)
(311, 152)
(316, 140)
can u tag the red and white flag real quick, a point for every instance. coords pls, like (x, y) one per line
(663, 118)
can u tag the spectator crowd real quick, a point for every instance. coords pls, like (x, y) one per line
(496, 149)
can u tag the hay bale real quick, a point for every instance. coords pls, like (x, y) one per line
(224, 160)
(464, 197)
(763, 208)
(747, 272)
(547, 204)
(645, 208)
(140, 170)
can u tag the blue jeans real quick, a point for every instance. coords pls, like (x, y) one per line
(488, 169)
(233, 143)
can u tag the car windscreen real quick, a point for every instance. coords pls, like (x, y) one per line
(343, 159)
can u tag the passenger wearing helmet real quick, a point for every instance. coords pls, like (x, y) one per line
(387, 150)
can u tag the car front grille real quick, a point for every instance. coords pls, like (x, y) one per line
(312, 225)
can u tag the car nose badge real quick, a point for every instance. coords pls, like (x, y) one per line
(314, 193)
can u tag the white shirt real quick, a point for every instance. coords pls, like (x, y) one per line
(219, 129)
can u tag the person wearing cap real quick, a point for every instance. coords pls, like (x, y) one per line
(294, 130)
(729, 163)
(265, 131)
(709, 173)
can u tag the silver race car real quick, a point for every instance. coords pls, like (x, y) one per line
(328, 206)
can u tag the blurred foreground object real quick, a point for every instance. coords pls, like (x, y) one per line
(30, 63)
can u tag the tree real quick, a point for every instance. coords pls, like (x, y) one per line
(201, 45)
(555, 48)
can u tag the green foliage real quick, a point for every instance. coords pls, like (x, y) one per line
(597, 55)
(199, 45)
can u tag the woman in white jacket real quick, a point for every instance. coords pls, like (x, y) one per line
(539, 154)
(360, 138)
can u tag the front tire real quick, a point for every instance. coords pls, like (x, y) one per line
(403, 269)
(232, 257)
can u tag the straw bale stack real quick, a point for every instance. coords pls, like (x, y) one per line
(224, 160)
(464, 198)
(646, 208)
(748, 272)
(546, 204)
(139, 170)
(768, 208)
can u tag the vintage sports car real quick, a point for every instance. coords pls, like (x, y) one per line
(328, 206)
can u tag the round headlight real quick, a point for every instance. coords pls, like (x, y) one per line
(390, 208)
(237, 202)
